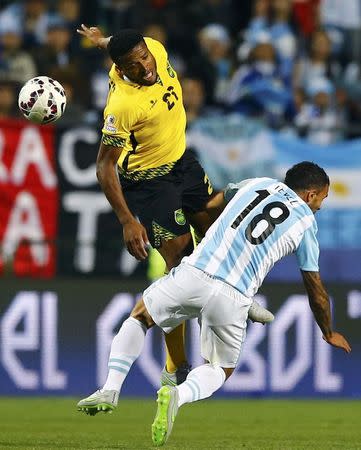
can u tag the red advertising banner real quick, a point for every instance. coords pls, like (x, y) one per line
(28, 199)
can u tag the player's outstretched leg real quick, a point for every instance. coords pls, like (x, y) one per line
(126, 347)
(166, 413)
(257, 313)
(100, 401)
(201, 383)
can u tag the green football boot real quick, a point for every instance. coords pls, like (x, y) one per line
(166, 413)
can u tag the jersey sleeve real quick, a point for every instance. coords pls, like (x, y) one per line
(118, 122)
(232, 189)
(308, 251)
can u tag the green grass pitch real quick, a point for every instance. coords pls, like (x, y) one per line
(52, 423)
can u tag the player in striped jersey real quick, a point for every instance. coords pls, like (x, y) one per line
(242, 247)
(262, 220)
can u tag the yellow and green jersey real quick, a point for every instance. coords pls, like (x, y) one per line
(147, 122)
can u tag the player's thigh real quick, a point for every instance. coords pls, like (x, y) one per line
(200, 221)
(223, 330)
(173, 250)
(158, 205)
(176, 297)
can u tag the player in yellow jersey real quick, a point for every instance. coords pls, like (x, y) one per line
(156, 181)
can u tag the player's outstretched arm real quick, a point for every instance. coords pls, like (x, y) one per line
(320, 305)
(94, 35)
(135, 235)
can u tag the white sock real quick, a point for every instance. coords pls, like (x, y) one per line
(201, 382)
(125, 349)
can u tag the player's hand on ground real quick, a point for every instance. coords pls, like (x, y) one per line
(136, 239)
(94, 35)
(337, 340)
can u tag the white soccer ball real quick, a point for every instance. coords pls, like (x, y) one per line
(42, 100)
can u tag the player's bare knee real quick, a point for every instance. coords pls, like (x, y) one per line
(141, 313)
(228, 371)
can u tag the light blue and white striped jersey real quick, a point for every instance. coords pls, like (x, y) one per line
(264, 221)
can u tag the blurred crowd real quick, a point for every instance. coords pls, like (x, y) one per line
(292, 64)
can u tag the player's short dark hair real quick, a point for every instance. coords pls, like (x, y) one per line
(306, 175)
(122, 42)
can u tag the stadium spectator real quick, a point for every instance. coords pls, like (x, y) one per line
(342, 21)
(8, 99)
(306, 16)
(159, 32)
(225, 12)
(257, 90)
(70, 11)
(257, 26)
(15, 63)
(99, 86)
(319, 120)
(271, 22)
(194, 100)
(118, 14)
(74, 91)
(282, 37)
(215, 43)
(56, 51)
(30, 16)
(198, 63)
(317, 63)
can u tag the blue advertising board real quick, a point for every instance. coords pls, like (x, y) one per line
(55, 338)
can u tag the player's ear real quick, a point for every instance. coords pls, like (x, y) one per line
(310, 195)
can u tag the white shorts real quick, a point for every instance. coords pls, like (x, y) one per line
(187, 293)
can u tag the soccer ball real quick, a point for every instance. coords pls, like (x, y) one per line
(42, 100)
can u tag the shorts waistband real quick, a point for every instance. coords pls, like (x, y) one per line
(226, 288)
(146, 174)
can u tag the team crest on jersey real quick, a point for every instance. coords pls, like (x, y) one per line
(170, 70)
(179, 217)
(110, 123)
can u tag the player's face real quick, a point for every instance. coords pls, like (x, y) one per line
(139, 65)
(316, 197)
